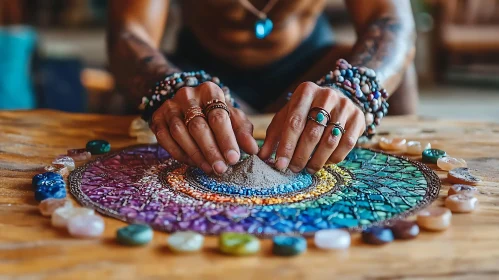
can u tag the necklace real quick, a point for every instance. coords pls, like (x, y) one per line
(263, 26)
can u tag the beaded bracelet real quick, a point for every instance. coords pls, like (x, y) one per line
(168, 87)
(361, 86)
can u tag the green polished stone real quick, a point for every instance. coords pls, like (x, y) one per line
(336, 131)
(134, 235)
(98, 147)
(238, 244)
(432, 155)
(320, 117)
(288, 245)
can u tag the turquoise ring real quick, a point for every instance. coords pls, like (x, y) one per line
(337, 129)
(320, 116)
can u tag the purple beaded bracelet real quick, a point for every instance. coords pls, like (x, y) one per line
(362, 87)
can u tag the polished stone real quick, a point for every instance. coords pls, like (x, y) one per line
(60, 169)
(79, 154)
(134, 235)
(238, 244)
(432, 155)
(288, 245)
(48, 190)
(461, 203)
(146, 137)
(98, 147)
(405, 229)
(377, 235)
(185, 241)
(462, 189)
(48, 206)
(449, 163)
(332, 239)
(45, 177)
(86, 226)
(392, 144)
(434, 218)
(463, 176)
(138, 125)
(416, 148)
(66, 161)
(61, 216)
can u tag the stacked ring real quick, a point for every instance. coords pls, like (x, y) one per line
(193, 112)
(215, 104)
(337, 129)
(320, 116)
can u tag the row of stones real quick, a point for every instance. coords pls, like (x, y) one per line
(50, 191)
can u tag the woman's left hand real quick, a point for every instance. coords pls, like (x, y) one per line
(303, 143)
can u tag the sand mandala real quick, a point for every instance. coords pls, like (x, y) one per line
(143, 184)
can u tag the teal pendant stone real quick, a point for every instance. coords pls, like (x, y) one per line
(432, 155)
(263, 27)
(336, 131)
(134, 235)
(320, 117)
(288, 246)
(98, 147)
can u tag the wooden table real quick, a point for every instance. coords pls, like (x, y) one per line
(31, 248)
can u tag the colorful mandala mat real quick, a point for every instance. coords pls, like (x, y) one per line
(143, 184)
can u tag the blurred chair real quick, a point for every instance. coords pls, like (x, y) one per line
(466, 37)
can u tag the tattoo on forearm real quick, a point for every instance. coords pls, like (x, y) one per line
(136, 65)
(375, 46)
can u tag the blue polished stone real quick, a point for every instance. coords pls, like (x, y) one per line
(263, 28)
(377, 235)
(349, 73)
(46, 192)
(288, 245)
(45, 176)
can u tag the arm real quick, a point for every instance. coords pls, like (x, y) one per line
(135, 29)
(386, 36)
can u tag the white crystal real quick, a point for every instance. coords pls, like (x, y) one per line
(138, 125)
(449, 163)
(416, 148)
(48, 206)
(146, 137)
(61, 216)
(66, 161)
(186, 241)
(86, 226)
(332, 239)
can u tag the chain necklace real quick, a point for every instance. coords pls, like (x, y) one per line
(263, 26)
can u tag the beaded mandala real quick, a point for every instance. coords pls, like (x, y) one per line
(143, 184)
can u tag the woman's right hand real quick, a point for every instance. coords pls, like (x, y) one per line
(210, 143)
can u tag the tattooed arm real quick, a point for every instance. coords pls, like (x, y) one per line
(135, 29)
(386, 36)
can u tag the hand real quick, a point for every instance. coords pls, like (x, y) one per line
(303, 143)
(209, 143)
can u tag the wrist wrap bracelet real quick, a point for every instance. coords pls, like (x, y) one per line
(168, 87)
(361, 86)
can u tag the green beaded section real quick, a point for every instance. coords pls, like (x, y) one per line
(432, 155)
(238, 244)
(336, 131)
(98, 147)
(134, 235)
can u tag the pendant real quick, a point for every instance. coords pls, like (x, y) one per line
(263, 27)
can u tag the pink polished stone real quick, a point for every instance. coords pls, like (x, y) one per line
(86, 226)
(60, 169)
(79, 154)
(48, 206)
(392, 144)
(67, 161)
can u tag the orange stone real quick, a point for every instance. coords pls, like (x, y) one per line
(434, 218)
(392, 144)
(461, 203)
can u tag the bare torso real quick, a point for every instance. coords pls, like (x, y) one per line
(226, 28)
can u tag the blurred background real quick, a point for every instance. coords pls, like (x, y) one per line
(52, 55)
